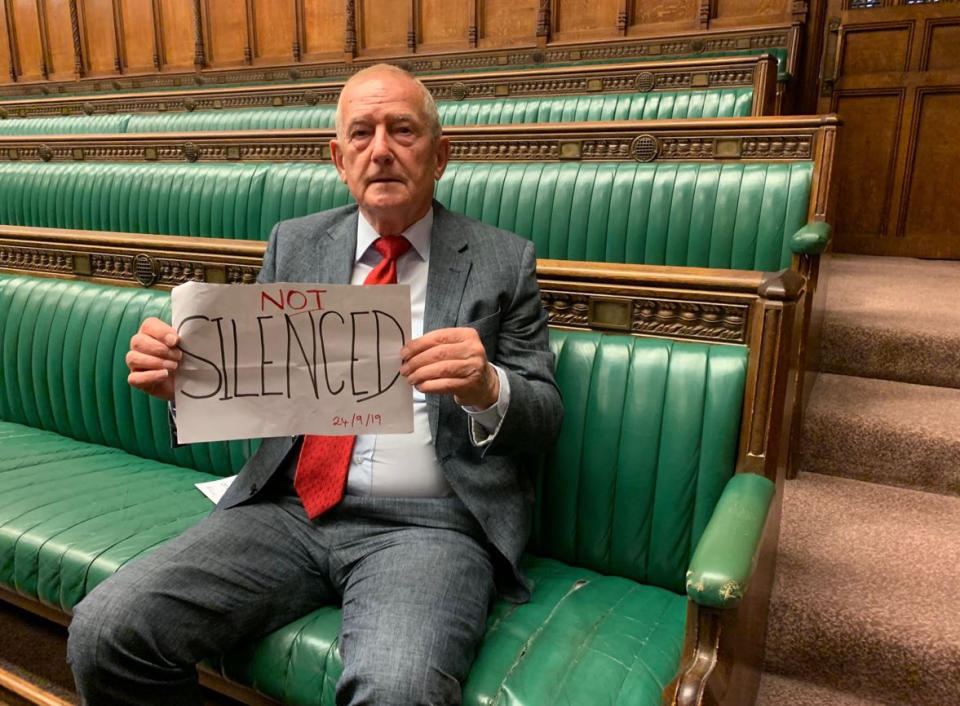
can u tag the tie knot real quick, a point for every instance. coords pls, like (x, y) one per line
(391, 246)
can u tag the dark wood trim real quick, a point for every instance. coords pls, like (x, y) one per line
(45, 62)
(544, 23)
(159, 48)
(78, 63)
(626, 77)
(119, 59)
(473, 23)
(250, 48)
(350, 41)
(199, 50)
(298, 31)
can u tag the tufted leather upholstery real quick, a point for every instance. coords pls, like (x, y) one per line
(721, 215)
(648, 442)
(713, 103)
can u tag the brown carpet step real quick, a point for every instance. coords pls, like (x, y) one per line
(893, 318)
(865, 597)
(883, 431)
(776, 690)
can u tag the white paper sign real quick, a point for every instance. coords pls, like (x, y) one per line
(291, 358)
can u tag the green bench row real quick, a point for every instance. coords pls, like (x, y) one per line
(638, 505)
(727, 215)
(714, 103)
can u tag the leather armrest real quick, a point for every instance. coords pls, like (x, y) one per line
(726, 553)
(812, 239)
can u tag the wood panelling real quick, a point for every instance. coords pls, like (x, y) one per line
(274, 30)
(99, 44)
(383, 24)
(26, 24)
(176, 20)
(864, 166)
(137, 35)
(324, 26)
(943, 49)
(934, 169)
(444, 22)
(5, 48)
(504, 21)
(578, 16)
(898, 92)
(741, 9)
(875, 50)
(227, 30)
(649, 14)
(59, 39)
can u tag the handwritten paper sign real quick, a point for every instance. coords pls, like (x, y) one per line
(291, 358)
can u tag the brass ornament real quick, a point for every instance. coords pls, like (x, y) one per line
(645, 148)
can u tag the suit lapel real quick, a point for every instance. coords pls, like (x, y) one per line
(446, 279)
(335, 252)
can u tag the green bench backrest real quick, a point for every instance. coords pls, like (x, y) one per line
(714, 103)
(62, 368)
(722, 215)
(649, 436)
(649, 439)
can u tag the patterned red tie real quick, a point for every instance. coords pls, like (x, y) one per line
(324, 460)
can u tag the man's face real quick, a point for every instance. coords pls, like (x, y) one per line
(385, 154)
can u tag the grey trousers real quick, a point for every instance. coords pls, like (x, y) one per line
(413, 575)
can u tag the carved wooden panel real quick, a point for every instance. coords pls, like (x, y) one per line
(864, 166)
(934, 171)
(4, 48)
(26, 23)
(274, 24)
(505, 20)
(444, 22)
(667, 11)
(324, 26)
(875, 50)
(578, 16)
(137, 36)
(898, 92)
(99, 44)
(742, 10)
(176, 20)
(60, 39)
(227, 23)
(383, 24)
(943, 49)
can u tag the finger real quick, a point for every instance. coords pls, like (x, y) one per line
(141, 361)
(160, 330)
(145, 379)
(433, 338)
(468, 371)
(144, 343)
(440, 353)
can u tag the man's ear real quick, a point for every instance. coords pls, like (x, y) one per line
(443, 156)
(337, 156)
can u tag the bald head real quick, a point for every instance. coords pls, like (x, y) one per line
(390, 72)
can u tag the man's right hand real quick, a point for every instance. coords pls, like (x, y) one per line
(153, 358)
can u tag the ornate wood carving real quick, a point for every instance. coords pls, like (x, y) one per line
(158, 53)
(118, 57)
(199, 52)
(44, 39)
(298, 30)
(544, 22)
(705, 13)
(75, 32)
(350, 47)
(250, 44)
(35, 259)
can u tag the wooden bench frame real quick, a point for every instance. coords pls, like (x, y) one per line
(723, 650)
(758, 71)
(728, 139)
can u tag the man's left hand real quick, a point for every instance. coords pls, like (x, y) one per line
(451, 361)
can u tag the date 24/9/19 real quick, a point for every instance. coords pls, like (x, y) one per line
(358, 420)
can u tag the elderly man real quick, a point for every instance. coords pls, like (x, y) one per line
(412, 533)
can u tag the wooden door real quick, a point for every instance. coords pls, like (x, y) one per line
(891, 69)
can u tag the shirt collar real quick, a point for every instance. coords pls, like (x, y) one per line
(418, 234)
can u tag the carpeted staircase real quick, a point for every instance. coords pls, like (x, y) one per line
(866, 601)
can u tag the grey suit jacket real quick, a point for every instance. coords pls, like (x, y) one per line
(478, 276)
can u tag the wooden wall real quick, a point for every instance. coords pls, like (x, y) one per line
(892, 72)
(63, 40)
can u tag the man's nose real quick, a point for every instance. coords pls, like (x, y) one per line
(381, 149)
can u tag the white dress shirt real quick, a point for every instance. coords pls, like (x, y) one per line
(405, 465)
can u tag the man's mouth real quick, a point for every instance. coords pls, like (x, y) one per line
(384, 180)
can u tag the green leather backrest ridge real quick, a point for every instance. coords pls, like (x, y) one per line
(62, 368)
(711, 103)
(649, 440)
(720, 215)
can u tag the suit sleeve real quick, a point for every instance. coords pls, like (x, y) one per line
(535, 411)
(268, 271)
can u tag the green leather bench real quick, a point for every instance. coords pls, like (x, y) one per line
(714, 103)
(729, 215)
(639, 507)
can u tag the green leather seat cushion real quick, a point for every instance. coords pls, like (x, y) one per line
(72, 513)
(719, 215)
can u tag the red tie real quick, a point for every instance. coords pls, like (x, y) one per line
(324, 460)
